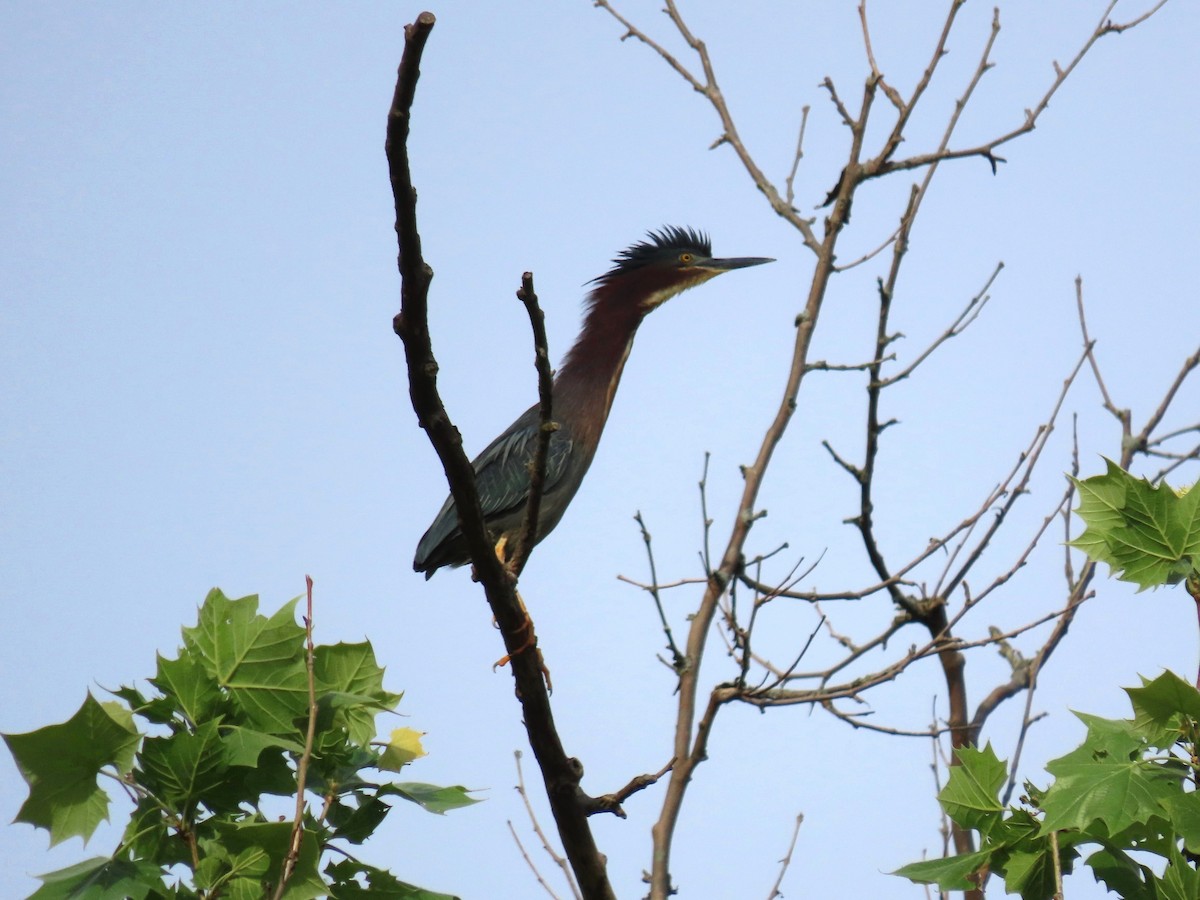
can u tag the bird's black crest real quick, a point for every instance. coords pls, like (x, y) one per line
(669, 238)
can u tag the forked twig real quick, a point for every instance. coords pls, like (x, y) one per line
(554, 855)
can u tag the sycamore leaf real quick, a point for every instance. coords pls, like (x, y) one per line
(243, 746)
(1121, 873)
(356, 824)
(1160, 706)
(247, 840)
(351, 682)
(1180, 881)
(949, 874)
(430, 796)
(1106, 779)
(60, 764)
(260, 661)
(101, 879)
(185, 681)
(1030, 873)
(184, 767)
(1147, 534)
(380, 885)
(403, 747)
(1183, 812)
(148, 837)
(158, 710)
(971, 796)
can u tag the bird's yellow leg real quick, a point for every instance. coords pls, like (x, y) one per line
(530, 639)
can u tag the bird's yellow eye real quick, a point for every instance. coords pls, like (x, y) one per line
(686, 257)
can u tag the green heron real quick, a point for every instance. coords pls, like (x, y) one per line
(642, 278)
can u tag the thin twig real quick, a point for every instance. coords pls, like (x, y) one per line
(706, 519)
(969, 314)
(297, 837)
(537, 829)
(1189, 365)
(1121, 415)
(676, 656)
(529, 861)
(870, 254)
(787, 860)
(791, 178)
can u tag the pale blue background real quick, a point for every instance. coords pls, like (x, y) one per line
(201, 386)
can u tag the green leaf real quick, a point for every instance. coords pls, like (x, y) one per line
(147, 836)
(1106, 779)
(1160, 703)
(949, 874)
(1121, 874)
(1183, 812)
(381, 885)
(260, 661)
(158, 710)
(60, 764)
(430, 796)
(1180, 881)
(350, 679)
(356, 824)
(101, 879)
(274, 839)
(217, 868)
(182, 768)
(971, 796)
(1147, 534)
(243, 746)
(193, 690)
(1031, 872)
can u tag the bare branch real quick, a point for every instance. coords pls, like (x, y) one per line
(1061, 74)
(547, 426)
(612, 802)
(729, 133)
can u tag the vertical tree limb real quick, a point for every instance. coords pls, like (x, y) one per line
(561, 774)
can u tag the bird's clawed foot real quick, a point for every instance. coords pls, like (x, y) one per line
(529, 642)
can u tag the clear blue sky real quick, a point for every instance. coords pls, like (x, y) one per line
(201, 387)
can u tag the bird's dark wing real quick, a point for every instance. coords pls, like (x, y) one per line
(502, 479)
(502, 470)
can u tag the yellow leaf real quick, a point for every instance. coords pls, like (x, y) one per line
(403, 747)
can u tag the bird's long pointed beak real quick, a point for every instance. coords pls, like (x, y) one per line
(737, 262)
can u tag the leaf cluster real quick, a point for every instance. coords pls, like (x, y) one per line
(1129, 791)
(225, 728)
